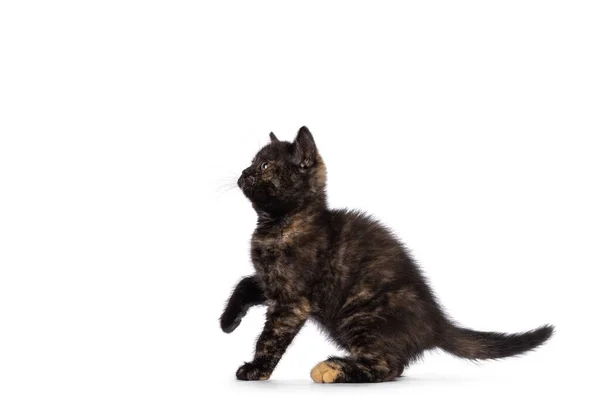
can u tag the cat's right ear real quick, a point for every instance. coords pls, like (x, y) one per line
(304, 148)
(273, 137)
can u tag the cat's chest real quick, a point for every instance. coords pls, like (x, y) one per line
(272, 254)
(278, 258)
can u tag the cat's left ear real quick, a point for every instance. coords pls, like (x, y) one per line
(304, 148)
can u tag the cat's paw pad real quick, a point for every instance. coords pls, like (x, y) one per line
(326, 372)
(251, 371)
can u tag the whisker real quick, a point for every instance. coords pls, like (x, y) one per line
(229, 180)
(226, 183)
(226, 187)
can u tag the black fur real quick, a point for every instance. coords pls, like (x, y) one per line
(345, 271)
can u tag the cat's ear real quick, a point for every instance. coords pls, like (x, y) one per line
(273, 137)
(304, 149)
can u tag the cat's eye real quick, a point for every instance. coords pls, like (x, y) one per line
(264, 166)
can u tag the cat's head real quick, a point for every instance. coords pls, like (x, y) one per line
(284, 176)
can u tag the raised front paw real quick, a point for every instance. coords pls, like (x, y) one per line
(230, 320)
(251, 371)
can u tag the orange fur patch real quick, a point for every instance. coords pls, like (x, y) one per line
(325, 372)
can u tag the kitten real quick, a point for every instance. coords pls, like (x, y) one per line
(345, 271)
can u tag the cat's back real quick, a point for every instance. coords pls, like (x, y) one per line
(355, 228)
(361, 244)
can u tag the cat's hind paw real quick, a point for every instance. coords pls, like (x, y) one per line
(326, 372)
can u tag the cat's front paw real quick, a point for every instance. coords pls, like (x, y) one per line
(230, 321)
(251, 371)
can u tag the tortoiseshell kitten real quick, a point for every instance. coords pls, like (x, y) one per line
(345, 271)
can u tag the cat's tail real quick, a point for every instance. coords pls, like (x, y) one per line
(472, 344)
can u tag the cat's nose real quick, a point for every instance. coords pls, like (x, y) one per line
(246, 178)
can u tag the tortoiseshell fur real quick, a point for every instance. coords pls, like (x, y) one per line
(345, 271)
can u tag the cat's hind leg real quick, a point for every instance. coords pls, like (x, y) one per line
(355, 369)
(377, 347)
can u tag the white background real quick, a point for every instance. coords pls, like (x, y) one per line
(470, 128)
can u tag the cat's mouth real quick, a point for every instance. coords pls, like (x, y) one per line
(246, 185)
(252, 191)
